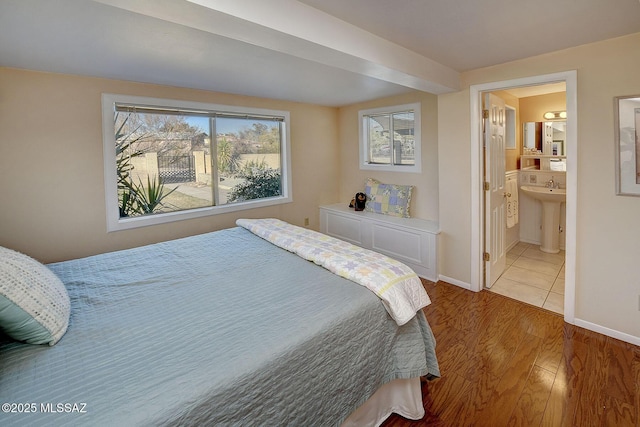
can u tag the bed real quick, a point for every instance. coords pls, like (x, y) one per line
(223, 328)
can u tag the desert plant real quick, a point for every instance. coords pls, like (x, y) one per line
(134, 198)
(124, 150)
(149, 198)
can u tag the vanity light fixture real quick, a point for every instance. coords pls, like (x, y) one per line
(555, 115)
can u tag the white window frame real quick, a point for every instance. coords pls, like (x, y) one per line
(115, 223)
(365, 163)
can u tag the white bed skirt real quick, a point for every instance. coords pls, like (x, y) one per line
(402, 396)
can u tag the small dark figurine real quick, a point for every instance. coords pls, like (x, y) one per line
(359, 201)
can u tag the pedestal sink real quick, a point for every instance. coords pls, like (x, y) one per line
(551, 198)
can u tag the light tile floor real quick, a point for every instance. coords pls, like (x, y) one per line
(534, 277)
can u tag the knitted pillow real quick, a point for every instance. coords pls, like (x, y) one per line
(388, 199)
(34, 303)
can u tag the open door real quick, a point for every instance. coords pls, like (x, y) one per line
(495, 194)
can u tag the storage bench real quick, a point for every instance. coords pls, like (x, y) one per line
(412, 241)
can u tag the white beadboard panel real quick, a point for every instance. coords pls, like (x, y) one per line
(513, 234)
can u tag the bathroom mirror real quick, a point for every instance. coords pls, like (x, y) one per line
(534, 137)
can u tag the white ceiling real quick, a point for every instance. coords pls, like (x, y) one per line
(466, 35)
(327, 52)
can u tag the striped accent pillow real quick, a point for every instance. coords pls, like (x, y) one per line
(34, 303)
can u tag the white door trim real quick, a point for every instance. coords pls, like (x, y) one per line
(477, 215)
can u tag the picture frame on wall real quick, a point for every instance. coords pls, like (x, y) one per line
(627, 143)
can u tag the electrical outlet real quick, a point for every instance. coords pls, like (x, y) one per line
(306, 222)
(533, 179)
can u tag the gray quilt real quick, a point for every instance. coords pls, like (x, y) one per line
(216, 329)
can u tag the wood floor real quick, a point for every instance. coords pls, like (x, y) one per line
(506, 363)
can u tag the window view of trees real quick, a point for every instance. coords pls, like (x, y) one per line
(168, 162)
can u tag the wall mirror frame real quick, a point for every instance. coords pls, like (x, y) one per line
(627, 144)
(532, 136)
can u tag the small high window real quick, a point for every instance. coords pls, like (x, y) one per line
(168, 160)
(390, 138)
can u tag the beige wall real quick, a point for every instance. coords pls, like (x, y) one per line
(424, 199)
(608, 235)
(533, 107)
(51, 166)
(454, 164)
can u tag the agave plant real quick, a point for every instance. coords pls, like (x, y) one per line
(149, 199)
(134, 198)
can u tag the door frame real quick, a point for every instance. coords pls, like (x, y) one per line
(477, 198)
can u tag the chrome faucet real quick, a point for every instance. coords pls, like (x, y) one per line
(551, 184)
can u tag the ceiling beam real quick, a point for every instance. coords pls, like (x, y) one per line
(293, 28)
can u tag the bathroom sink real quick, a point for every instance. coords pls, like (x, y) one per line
(545, 194)
(551, 198)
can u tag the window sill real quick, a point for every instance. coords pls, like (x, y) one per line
(117, 224)
(391, 168)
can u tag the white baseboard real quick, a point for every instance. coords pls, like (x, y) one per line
(608, 332)
(512, 245)
(538, 243)
(531, 241)
(456, 282)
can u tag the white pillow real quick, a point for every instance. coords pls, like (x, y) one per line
(34, 303)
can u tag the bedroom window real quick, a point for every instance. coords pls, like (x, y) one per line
(168, 160)
(390, 138)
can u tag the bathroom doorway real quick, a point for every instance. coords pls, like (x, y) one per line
(479, 228)
(520, 266)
